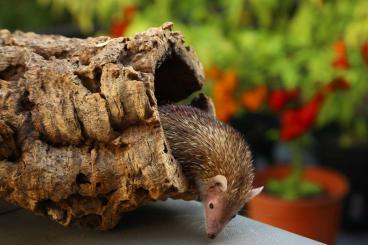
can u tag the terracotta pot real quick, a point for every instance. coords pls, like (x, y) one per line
(317, 218)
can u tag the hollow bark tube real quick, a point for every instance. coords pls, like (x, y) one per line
(80, 134)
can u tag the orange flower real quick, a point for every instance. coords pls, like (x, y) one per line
(223, 93)
(253, 99)
(229, 79)
(340, 48)
(213, 72)
(226, 110)
(341, 60)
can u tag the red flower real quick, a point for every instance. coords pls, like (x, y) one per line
(341, 63)
(290, 126)
(309, 112)
(295, 122)
(364, 51)
(279, 98)
(119, 27)
(339, 83)
(129, 12)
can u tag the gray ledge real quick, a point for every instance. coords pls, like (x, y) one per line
(171, 222)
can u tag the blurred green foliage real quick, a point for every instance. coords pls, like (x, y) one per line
(283, 44)
(18, 16)
(28, 15)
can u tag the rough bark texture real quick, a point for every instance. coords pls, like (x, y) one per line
(80, 134)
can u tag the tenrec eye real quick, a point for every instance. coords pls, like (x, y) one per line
(211, 206)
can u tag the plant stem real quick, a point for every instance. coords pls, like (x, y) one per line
(297, 161)
(293, 182)
(293, 187)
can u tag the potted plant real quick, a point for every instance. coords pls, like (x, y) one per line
(303, 200)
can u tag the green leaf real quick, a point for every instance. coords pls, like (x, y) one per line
(303, 20)
(291, 190)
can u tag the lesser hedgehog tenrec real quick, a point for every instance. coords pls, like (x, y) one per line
(214, 157)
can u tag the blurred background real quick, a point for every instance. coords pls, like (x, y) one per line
(291, 75)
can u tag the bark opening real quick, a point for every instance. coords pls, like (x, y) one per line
(174, 80)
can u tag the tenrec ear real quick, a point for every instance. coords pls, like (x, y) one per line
(254, 192)
(219, 181)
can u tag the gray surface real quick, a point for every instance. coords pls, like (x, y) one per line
(6, 208)
(170, 222)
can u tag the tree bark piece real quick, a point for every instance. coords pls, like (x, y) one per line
(80, 134)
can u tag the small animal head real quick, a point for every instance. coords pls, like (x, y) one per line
(218, 210)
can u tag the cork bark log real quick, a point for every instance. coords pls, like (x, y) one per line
(80, 134)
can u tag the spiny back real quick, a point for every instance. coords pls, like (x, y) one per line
(206, 147)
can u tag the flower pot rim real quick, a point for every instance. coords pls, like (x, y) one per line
(335, 196)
